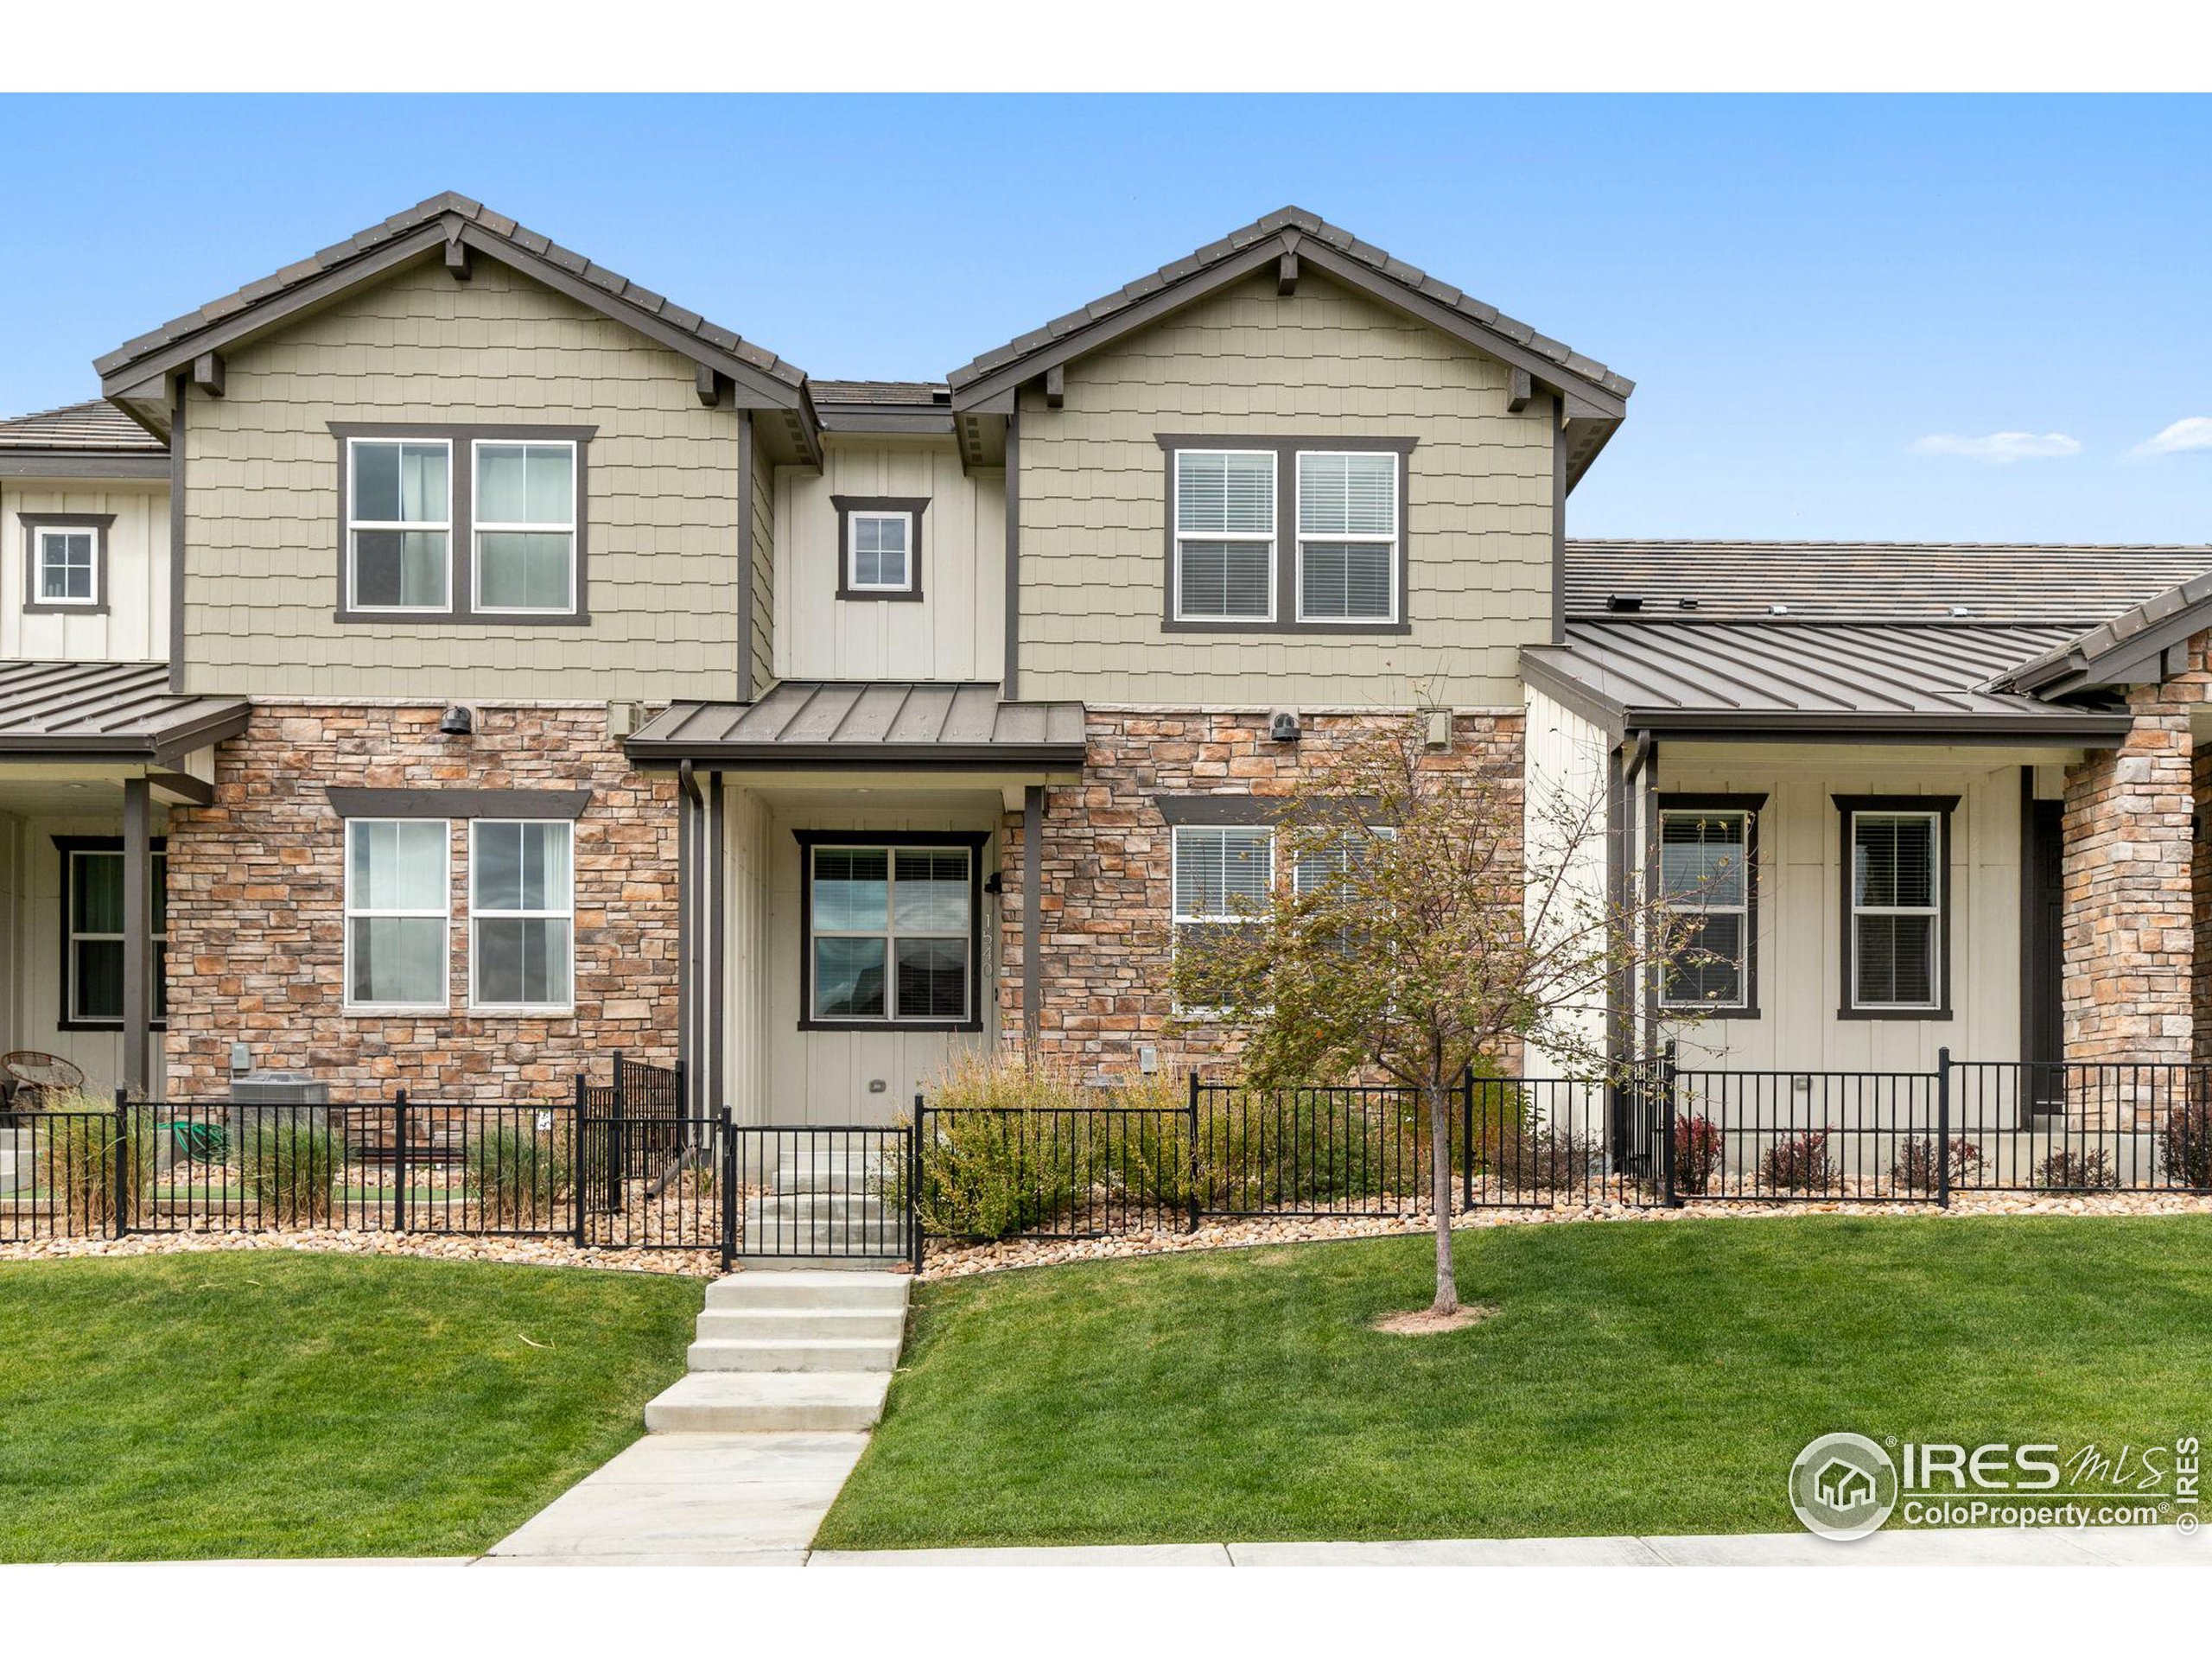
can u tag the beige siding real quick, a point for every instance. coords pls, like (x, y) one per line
(1800, 922)
(1319, 363)
(135, 627)
(956, 632)
(261, 487)
(779, 1074)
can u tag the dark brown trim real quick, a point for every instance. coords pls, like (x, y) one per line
(100, 523)
(198, 791)
(1033, 915)
(65, 845)
(176, 539)
(973, 840)
(1219, 809)
(1944, 806)
(1285, 548)
(745, 537)
(1559, 523)
(74, 464)
(350, 803)
(460, 538)
(1010, 678)
(914, 506)
(1751, 806)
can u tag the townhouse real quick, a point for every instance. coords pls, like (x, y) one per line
(445, 661)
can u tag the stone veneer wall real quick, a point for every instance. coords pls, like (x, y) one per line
(2131, 931)
(1107, 899)
(257, 907)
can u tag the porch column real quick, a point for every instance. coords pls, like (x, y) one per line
(137, 934)
(1033, 914)
(2129, 928)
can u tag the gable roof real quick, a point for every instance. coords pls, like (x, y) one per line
(1596, 398)
(460, 227)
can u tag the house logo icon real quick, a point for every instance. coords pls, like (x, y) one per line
(1843, 1486)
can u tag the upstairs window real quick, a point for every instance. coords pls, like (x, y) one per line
(1706, 884)
(1224, 535)
(399, 524)
(67, 566)
(877, 561)
(526, 514)
(1347, 536)
(1895, 889)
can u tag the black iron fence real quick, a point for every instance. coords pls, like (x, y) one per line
(628, 1164)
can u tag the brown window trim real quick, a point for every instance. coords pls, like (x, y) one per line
(1286, 544)
(913, 506)
(65, 845)
(100, 523)
(1942, 806)
(973, 840)
(461, 549)
(1751, 806)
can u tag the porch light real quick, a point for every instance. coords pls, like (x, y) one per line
(1283, 728)
(458, 722)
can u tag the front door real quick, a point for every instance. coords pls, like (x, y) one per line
(2042, 1030)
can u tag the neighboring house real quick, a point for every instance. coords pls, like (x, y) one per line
(495, 664)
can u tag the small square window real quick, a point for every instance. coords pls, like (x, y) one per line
(66, 559)
(878, 546)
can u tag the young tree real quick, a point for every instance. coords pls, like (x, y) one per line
(1423, 918)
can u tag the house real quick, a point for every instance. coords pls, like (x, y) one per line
(445, 661)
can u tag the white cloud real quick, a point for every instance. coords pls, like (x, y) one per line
(1999, 448)
(2194, 432)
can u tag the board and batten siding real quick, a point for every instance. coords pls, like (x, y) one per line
(1250, 361)
(956, 631)
(133, 624)
(1563, 802)
(262, 477)
(1801, 921)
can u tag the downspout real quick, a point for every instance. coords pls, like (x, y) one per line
(686, 933)
(717, 964)
(1033, 920)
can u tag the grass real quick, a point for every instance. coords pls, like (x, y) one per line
(269, 1404)
(1652, 1378)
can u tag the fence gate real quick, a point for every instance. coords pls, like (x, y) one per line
(821, 1192)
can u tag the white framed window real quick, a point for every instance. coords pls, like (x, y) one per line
(890, 934)
(1895, 889)
(1224, 873)
(880, 554)
(524, 525)
(398, 524)
(1347, 536)
(522, 914)
(67, 569)
(399, 913)
(1707, 886)
(1224, 536)
(92, 923)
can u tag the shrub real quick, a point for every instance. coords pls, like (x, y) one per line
(1914, 1169)
(2076, 1172)
(517, 1176)
(1544, 1157)
(289, 1164)
(1002, 1152)
(1698, 1152)
(75, 1141)
(2186, 1155)
(1800, 1163)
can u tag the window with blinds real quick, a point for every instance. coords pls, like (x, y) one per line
(890, 934)
(1897, 894)
(1224, 535)
(1704, 882)
(1347, 536)
(1223, 875)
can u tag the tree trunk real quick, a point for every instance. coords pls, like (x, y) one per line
(1439, 1166)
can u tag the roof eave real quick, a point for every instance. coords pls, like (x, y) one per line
(740, 755)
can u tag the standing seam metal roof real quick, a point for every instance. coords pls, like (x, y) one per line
(867, 724)
(107, 710)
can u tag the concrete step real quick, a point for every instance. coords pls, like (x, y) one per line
(806, 1208)
(810, 1255)
(785, 1323)
(828, 1175)
(819, 1355)
(814, 1289)
(743, 1402)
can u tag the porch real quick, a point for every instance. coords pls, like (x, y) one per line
(93, 759)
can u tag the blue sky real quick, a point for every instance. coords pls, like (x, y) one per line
(1830, 306)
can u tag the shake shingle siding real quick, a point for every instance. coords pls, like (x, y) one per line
(1318, 364)
(262, 532)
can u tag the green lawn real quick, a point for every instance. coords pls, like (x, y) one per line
(1637, 1378)
(275, 1404)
